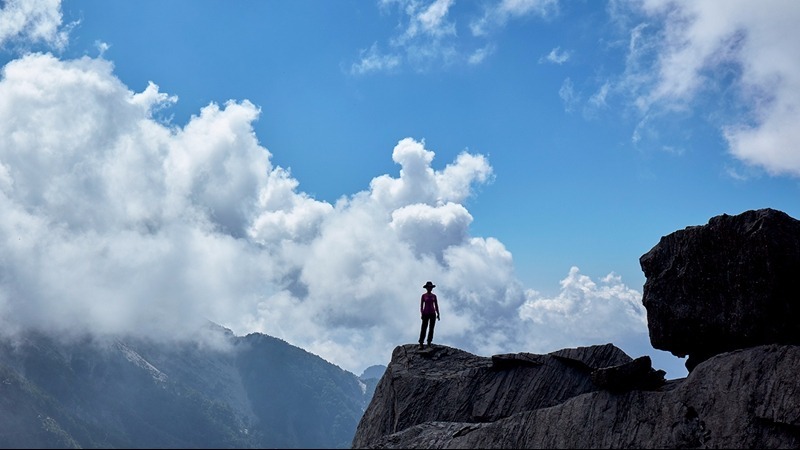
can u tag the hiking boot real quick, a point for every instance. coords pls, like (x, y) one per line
(420, 346)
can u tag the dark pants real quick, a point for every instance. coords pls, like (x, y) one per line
(428, 322)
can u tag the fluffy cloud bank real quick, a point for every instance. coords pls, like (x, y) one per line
(32, 21)
(116, 223)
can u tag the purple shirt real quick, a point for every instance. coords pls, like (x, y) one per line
(428, 304)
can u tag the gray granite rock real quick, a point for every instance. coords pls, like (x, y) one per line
(723, 286)
(742, 399)
(637, 374)
(447, 384)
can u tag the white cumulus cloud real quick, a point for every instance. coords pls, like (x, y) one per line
(32, 21)
(116, 223)
(584, 310)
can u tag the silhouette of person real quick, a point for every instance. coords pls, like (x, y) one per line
(429, 309)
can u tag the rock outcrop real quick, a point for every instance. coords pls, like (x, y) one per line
(741, 399)
(444, 384)
(723, 286)
(721, 293)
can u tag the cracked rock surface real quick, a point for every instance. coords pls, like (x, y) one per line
(742, 399)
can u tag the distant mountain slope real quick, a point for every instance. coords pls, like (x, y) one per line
(375, 371)
(370, 377)
(256, 391)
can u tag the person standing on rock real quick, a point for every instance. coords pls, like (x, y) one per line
(429, 309)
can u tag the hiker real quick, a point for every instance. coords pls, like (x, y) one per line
(429, 309)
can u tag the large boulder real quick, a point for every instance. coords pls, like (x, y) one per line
(727, 285)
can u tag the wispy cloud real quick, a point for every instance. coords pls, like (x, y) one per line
(568, 96)
(497, 14)
(372, 60)
(556, 56)
(479, 55)
(428, 20)
(684, 49)
(428, 34)
(598, 99)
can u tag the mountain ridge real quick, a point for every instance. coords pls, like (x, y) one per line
(251, 391)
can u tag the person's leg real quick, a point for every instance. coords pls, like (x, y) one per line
(422, 330)
(430, 329)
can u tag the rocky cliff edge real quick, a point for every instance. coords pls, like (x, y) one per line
(723, 293)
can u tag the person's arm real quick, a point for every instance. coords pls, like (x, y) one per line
(421, 303)
(436, 305)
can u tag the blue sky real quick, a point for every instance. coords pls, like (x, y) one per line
(301, 168)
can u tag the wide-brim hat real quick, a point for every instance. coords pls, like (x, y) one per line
(429, 284)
